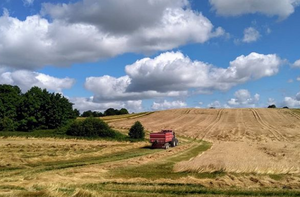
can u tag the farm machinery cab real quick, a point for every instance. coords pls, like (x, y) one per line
(163, 139)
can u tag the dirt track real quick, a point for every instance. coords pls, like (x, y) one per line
(245, 140)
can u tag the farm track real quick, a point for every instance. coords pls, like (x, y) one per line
(209, 128)
(268, 127)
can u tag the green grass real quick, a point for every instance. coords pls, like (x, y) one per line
(61, 132)
(164, 168)
(169, 189)
(82, 161)
(53, 133)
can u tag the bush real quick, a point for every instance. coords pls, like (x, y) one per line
(272, 106)
(137, 131)
(90, 127)
(7, 124)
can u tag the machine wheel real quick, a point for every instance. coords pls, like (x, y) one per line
(173, 143)
(176, 142)
(167, 145)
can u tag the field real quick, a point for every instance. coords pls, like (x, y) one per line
(223, 152)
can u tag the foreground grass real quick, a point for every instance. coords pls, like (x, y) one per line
(53, 133)
(149, 173)
(40, 167)
(148, 189)
(164, 167)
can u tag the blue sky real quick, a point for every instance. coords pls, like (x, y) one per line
(154, 54)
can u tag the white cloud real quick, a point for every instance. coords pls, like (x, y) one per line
(296, 64)
(27, 79)
(172, 74)
(292, 102)
(243, 98)
(90, 30)
(215, 104)
(280, 8)
(298, 78)
(107, 88)
(85, 104)
(271, 101)
(250, 35)
(28, 2)
(168, 105)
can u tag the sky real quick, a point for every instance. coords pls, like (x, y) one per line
(147, 55)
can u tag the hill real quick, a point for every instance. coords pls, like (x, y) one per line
(244, 140)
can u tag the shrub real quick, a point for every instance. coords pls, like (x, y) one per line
(272, 106)
(137, 131)
(90, 127)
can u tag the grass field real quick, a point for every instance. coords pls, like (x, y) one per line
(41, 164)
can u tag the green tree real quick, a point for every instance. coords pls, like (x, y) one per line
(88, 113)
(40, 109)
(123, 111)
(10, 99)
(32, 109)
(60, 111)
(90, 127)
(137, 131)
(110, 112)
(76, 112)
(272, 106)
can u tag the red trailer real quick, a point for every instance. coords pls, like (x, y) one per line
(163, 139)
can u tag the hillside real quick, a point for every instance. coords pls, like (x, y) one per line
(244, 140)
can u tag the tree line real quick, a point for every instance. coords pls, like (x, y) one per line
(35, 109)
(108, 112)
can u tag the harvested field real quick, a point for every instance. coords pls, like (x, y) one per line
(246, 152)
(265, 141)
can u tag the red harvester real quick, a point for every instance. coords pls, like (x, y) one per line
(163, 139)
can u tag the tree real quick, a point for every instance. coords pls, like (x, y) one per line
(10, 98)
(110, 112)
(137, 131)
(123, 111)
(272, 106)
(76, 112)
(90, 127)
(88, 113)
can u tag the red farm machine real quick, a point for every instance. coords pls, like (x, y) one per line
(163, 139)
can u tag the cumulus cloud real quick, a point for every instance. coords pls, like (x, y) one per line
(90, 30)
(292, 102)
(243, 99)
(28, 2)
(296, 64)
(168, 105)
(215, 104)
(27, 79)
(250, 35)
(172, 74)
(280, 8)
(85, 104)
(271, 101)
(107, 88)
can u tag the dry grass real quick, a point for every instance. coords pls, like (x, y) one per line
(245, 140)
(252, 149)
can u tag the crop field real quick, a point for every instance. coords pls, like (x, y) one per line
(222, 152)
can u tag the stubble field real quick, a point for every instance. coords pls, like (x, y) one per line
(245, 152)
